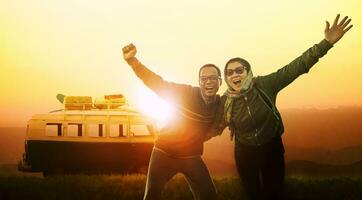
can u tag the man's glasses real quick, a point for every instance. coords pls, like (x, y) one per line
(238, 70)
(203, 79)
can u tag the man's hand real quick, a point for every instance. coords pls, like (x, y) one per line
(129, 52)
(336, 32)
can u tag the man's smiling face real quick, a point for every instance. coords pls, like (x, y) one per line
(209, 81)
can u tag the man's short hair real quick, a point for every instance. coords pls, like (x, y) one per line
(210, 65)
(239, 60)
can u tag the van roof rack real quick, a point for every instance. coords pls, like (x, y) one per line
(110, 102)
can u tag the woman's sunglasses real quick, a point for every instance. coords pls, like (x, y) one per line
(238, 70)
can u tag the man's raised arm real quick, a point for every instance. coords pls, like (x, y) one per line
(167, 90)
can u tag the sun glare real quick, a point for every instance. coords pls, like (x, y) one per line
(151, 104)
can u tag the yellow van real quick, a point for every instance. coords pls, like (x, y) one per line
(86, 137)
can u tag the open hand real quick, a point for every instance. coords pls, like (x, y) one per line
(336, 32)
(129, 51)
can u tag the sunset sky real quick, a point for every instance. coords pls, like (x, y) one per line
(73, 47)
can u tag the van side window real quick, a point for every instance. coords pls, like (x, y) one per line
(96, 130)
(117, 130)
(100, 130)
(53, 129)
(140, 130)
(74, 129)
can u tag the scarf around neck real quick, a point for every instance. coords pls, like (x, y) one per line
(232, 94)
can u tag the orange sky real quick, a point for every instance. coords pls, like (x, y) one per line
(72, 47)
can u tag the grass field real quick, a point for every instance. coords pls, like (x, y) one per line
(132, 187)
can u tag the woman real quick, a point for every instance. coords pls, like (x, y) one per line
(253, 119)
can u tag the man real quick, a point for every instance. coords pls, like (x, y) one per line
(254, 120)
(179, 146)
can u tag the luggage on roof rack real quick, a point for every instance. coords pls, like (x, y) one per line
(113, 101)
(110, 101)
(78, 102)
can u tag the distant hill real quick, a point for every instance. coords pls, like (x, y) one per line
(309, 168)
(343, 156)
(294, 168)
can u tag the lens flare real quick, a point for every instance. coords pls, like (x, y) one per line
(151, 104)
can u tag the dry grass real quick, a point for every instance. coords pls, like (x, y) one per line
(132, 187)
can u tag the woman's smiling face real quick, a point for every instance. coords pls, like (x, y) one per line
(235, 75)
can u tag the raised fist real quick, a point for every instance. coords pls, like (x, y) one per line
(129, 51)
